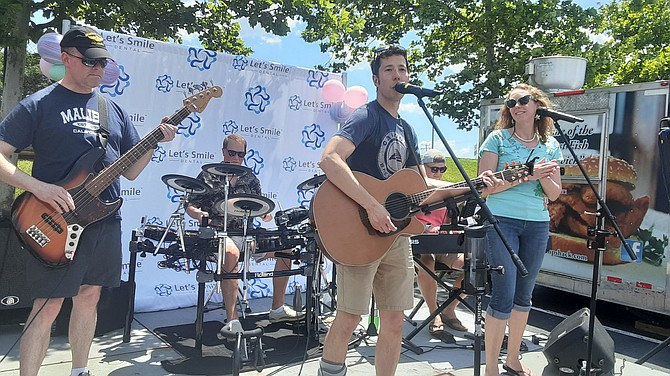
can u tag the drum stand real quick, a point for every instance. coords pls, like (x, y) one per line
(246, 249)
(177, 217)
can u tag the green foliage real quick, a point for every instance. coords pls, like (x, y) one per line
(473, 49)
(216, 21)
(638, 44)
(34, 80)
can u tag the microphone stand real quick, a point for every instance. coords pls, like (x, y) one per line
(478, 198)
(599, 233)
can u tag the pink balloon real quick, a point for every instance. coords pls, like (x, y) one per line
(333, 91)
(111, 74)
(355, 96)
(48, 46)
(44, 67)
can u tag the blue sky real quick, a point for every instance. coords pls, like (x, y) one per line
(292, 50)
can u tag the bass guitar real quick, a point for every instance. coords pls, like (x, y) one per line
(53, 237)
(343, 231)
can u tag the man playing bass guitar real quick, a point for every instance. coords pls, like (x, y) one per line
(62, 123)
(377, 142)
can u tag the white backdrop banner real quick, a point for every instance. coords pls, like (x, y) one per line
(279, 109)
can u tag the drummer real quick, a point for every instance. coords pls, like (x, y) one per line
(234, 150)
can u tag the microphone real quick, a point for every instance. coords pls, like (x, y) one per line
(543, 111)
(405, 88)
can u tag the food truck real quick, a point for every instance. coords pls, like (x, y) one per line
(618, 144)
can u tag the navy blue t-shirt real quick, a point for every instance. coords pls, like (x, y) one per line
(62, 125)
(378, 137)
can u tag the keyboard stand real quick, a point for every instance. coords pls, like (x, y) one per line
(454, 293)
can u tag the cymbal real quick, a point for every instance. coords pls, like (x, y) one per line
(312, 182)
(246, 203)
(185, 184)
(225, 169)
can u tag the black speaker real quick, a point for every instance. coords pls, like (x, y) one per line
(14, 292)
(112, 310)
(566, 348)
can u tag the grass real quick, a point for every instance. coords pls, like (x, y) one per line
(454, 176)
(26, 166)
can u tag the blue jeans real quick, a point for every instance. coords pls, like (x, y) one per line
(510, 290)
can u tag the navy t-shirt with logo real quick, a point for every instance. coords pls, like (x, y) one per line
(378, 137)
(63, 125)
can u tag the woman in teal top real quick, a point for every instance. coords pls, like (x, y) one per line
(521, 210)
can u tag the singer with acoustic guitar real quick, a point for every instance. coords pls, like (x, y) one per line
(377, 144)
(62, 122)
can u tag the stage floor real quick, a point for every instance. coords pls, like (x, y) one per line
(144, 353)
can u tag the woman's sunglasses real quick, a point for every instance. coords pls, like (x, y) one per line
(435, 170)
(91, 62)
(239, 154)
(511, 103)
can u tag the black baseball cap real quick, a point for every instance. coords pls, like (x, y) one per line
(87, 41)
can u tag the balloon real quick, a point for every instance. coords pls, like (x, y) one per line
(355, 96)
(339, 112)
(333, 91)
(48, 46)
(44, 67)
(111, 74)
(57, 72)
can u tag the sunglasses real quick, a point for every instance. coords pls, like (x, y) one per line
(435, 170)
(380, 50)
(91, 62)
(511, 103)
(239, 154)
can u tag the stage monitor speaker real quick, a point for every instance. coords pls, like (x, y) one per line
(14, 292)
(566, 348)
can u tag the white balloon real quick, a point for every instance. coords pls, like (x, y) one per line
(48, 46)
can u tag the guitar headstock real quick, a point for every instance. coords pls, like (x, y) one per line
(198, 101)
(517, 171)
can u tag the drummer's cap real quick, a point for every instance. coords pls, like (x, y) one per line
(432, 156)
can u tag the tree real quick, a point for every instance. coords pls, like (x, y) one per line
(156, 19)
(638, 45)
(473, 49)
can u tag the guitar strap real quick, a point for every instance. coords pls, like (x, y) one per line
(103, 133)
(410, 145)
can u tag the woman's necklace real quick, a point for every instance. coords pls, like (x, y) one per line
(525, 139)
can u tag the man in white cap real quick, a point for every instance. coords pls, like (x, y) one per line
(435, 165)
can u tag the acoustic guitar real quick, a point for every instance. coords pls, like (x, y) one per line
(343, 231)
(53, 237)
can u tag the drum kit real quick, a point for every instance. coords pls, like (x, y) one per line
(203, 249)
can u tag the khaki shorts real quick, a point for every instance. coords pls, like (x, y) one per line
(391, 278)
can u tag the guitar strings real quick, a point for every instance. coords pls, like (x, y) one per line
(416, 198)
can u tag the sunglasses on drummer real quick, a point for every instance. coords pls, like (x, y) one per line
(438, 169)
(239, 154)
(511, 103)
